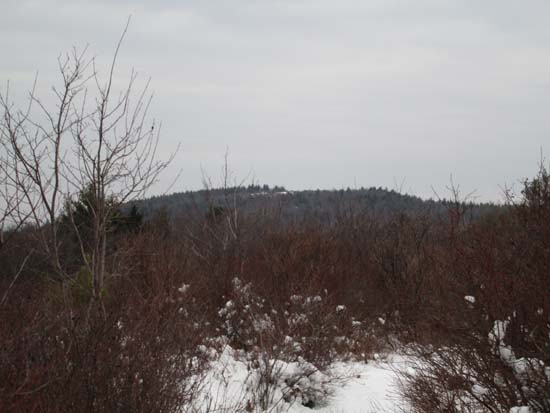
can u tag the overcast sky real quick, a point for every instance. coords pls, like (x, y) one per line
(318, 93)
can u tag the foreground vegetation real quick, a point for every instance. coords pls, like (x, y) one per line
(436, 284)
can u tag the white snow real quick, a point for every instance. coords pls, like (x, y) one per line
(521, 409)
(233, 383)
(496, 336)
(372, 388)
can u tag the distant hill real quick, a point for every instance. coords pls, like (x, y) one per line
(322, 205)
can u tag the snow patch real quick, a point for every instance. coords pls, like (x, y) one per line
(236, 379)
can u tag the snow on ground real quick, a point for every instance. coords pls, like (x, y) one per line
(237, 381)
(372, 389)
(234, 383)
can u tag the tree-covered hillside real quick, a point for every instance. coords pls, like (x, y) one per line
(295, 206)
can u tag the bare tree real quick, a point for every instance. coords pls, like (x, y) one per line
(12, 215)
(93, 139)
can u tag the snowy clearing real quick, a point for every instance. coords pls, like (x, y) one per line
(373, 389)
(231, 384)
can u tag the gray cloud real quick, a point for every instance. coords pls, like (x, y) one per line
(319, 93)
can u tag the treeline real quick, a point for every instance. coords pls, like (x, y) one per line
(323, 206)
